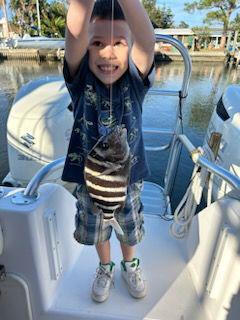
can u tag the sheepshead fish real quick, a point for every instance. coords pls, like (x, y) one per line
(106, 172)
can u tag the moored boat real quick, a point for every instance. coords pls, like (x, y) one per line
(38, 42)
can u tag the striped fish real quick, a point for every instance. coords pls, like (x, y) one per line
(106, 172)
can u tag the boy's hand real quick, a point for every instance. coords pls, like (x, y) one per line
(143, 34)
(76, 43)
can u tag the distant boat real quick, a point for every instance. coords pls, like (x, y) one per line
(38, 42)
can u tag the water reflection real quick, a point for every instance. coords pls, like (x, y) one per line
(14, 74)
(207, 84)
(208, 81)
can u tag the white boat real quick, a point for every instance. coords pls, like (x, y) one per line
(38, 42)
(191, 261)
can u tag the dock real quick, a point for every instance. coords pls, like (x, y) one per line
(32, 54)
(58, 55)
(196, 56)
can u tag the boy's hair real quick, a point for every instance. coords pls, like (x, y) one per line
(103, 10)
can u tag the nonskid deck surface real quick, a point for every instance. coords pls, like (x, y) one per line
(153, 199)
(171, 295)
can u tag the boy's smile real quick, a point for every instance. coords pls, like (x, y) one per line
(108, 58)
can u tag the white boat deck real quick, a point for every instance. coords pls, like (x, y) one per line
(171, 294)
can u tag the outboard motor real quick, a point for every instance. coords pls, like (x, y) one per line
(38, 129)
(223, 137)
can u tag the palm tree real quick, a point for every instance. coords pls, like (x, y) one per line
(53, 19)
(20, 12)
(53, 16)
(4, 9)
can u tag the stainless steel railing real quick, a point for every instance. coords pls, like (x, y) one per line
(33, 185)
(197, 158)
(234, 181)
(174, 145)
(186, 60)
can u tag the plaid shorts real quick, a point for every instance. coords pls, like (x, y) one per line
(90, 228)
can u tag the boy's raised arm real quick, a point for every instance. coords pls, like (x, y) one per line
(143, 34)
(78, 18)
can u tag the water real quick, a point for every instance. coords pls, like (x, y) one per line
(208, 81)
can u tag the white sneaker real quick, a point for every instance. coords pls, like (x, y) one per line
(132, 274)
(102, 282)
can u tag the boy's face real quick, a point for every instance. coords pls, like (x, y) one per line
(108, 58)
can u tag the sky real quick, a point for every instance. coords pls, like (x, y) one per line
(179, 14)
(177, 7)
(196, 19)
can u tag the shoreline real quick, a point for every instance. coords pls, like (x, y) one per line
(58, 55)
(196, 56)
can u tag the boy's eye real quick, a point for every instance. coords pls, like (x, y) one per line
(118, 43)
(97, 44)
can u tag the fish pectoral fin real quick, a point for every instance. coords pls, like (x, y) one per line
(116, 226)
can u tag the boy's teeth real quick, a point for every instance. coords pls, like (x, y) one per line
(107, 68)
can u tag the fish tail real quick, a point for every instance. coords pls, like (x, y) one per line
(113, 223)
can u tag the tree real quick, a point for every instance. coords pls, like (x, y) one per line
(160, 17)
(167, 18)
(53, 22)
(52, 17)
(221, 11)
(183, 25)
(203, 36)
(25, 14)
(235, 25)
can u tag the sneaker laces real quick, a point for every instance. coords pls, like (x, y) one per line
(135, 276)
(102, 276)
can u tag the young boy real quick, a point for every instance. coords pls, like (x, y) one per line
(107, 65)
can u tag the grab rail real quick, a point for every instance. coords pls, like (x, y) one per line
(158, 131)
(175, 148)
(159, 92)
(32, 187)
(34, 183)
(187, 62)
(197, 158)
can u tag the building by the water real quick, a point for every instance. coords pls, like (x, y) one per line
(189, 38)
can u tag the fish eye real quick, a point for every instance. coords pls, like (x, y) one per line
(105, 145)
